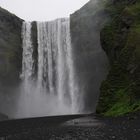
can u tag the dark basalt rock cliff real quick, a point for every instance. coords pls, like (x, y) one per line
(120, 92)
(10, 48)
(90, 60)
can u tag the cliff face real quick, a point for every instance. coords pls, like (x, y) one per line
(90, 60)
(10, 48)
(120, 92)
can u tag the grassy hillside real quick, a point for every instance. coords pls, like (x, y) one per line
(120, 92)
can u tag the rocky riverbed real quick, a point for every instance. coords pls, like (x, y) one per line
(83, 128)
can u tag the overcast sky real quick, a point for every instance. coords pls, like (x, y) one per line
(42, 10)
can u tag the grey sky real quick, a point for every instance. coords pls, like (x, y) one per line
(42, 10)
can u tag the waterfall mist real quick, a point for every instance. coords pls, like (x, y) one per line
(53, 90)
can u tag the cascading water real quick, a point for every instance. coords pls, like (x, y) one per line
(55, 66)
(50, 81)
(54, 90)
(27, 62)
(27, 69)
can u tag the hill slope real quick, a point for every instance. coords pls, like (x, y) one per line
(120, 92)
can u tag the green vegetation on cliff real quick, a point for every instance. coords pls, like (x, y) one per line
(120, 92)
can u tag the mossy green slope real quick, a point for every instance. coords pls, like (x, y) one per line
(120, 92)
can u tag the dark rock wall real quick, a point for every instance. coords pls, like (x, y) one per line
(90, 60)
(10, 61)
(10, 48)
(35, 45)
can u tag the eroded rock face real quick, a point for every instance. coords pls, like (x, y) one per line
(10, 61)
(10, 48)
(90, 60)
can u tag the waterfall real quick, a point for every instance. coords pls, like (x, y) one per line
(27, 61)
(27, 70)
(55, 65)
(55, 84)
